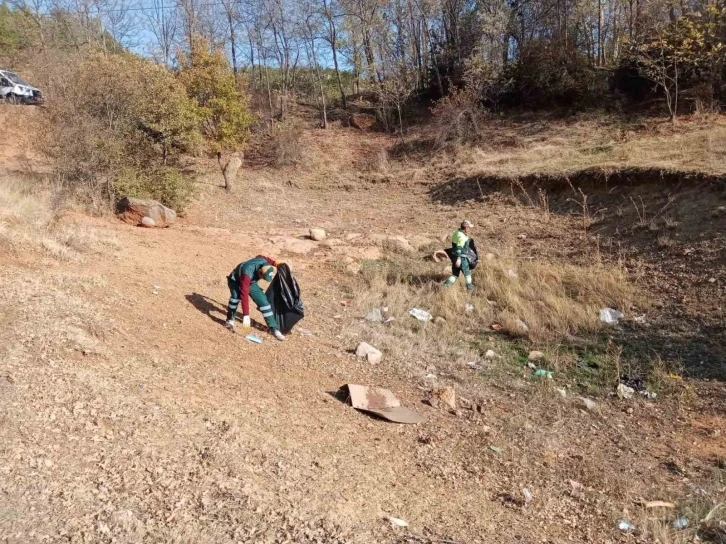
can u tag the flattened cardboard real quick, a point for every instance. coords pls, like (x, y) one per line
(380, 402)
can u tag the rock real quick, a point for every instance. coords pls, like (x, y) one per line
(420, 242)
(396, 522)
(535, 356)
(491, 354)
(589, 403)
(396, 243)
(439, 320)
(522, 236)
(562, 391)
(445, 395)
(531, 366)
(522, 326)
(362, 121)
(317, 234)
(148, 222)
(133, 210)
(294, 245)
(230, 170)
(368, 352)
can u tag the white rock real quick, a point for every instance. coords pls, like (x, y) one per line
(396, 522)
(589, 403)
(522, 326)
(368, 352)
(317, 234)
(148, 222)
(490, 354)
(535, 355)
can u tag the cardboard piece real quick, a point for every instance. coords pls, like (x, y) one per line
(380, 402)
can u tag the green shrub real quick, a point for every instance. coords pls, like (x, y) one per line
(166, 184)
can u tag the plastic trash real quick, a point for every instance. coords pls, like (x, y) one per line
(304, 332)
(469, 308)
(421, 315)
(375, 315)
(253, 338)
(396, 522)
(625, 392)
(542, 373)
(625, 526)
(680, 523)
(495, 449)
(610, 316)
(527, 495)
(511, 273)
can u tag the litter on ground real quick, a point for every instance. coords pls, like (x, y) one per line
(421, 315)
(253, 338)
(380, 402)
(610, 316)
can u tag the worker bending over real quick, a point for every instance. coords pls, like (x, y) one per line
(242, 284)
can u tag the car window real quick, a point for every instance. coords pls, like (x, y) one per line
(16, 79)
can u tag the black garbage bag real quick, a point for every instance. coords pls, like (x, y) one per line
(472, 255)
(283, 294)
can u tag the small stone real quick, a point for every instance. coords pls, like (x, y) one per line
(531, 366)
(317, 234)
(439, 320)
(148, 222)
(630, 411)
(589, 403)
(368, 352)
(48, 463)
(711, 280)
(535, 355)
(522, 326)
(396, 522)
(522, 236)
(491, 354)
(447, 395)
(562, 391)
(625, 392)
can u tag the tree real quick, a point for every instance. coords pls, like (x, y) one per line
(223, 109)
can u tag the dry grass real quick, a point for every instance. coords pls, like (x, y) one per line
(553, 301)
(29, 220)
(555, 146)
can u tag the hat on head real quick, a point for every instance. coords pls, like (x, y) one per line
(466, 223)
(267, 273)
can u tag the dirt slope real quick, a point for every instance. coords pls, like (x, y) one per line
(129, 414)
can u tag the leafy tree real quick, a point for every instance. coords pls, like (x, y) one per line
(223, 109)
(686, 50)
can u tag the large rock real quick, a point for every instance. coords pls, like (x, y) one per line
(368, 352)
(133, 210)
(317, 234)
(394, 243)
(362, 121)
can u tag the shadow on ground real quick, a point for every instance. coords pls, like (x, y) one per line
(209, 306)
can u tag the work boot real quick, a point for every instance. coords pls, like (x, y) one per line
(277, 334)
(229, 324)
(470, 287)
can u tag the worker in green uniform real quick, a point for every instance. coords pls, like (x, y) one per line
(242, 284)
(460, 241)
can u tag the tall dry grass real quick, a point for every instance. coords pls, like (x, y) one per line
(552, 300)
(29, 221)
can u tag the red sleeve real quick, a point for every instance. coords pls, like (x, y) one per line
(269, 260)
(244, 283)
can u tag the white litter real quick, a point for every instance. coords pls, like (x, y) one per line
(469, 308)
(511, 273)
(397, 522)
(610, 316)
(421, 315)
(625, 392)
(375, 315)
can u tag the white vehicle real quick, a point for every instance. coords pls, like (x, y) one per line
(16, 91)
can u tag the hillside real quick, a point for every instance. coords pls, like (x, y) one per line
(128, 412)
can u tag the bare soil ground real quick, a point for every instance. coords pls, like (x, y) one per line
(129, 414)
